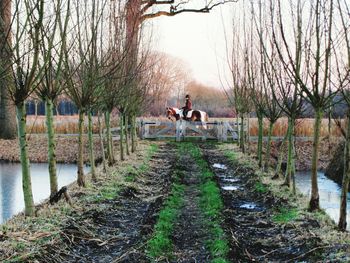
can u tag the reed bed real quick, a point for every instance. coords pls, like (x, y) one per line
(69, 125)
(303, 128)
(63, 124)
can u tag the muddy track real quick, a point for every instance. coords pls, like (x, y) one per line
(189, 233)
(254, 236)
(116, 230)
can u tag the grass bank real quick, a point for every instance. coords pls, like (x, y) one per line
(22, 238)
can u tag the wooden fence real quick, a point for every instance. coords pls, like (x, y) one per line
(180, 130)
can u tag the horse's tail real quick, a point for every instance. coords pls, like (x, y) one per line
(206, 117)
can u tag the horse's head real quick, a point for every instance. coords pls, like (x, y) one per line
(170, 113)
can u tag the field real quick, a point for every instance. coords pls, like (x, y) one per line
(69, 125)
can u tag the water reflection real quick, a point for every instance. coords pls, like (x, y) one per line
(329, 192)
(11, 194)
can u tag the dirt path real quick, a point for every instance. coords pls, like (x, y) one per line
(254, 234)
(189, 234)
(116, 230)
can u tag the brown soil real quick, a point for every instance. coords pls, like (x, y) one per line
(249, 224)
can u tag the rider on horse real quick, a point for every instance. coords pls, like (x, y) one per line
(187, 107)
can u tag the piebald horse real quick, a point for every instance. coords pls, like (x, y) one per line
(192, 115)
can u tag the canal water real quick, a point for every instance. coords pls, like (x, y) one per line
(329, 192)
(11, 194)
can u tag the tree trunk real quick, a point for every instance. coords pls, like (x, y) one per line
(133, 134)
(242, 134)
(110, 152)
(248, 134)
(81, 176)
(238, 131)
(293, 164)
(315, 199)
(121, 143)
(126, 127)
(7, 108)
(51, 147)
(346, 179)
(91, 148)
(260, 139)
(268, 147)
(288, 178)
(26, 178)
(100, 133)
(280, 158)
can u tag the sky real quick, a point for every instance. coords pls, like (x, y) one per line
(197, 39)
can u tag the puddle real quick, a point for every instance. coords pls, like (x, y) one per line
(248, 206)
(230, 188)
(230, 180)
(219, 166)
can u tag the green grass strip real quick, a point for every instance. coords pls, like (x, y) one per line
(286, 215)
(211, 205)
(161, 244)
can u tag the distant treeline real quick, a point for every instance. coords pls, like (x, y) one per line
(63, 107)
(221, 109)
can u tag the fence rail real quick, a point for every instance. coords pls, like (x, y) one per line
(180, 130)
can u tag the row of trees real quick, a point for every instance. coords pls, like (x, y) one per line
(285, 53)
(89, 51)
(170, 81)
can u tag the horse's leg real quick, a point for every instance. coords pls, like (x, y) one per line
(204, 120)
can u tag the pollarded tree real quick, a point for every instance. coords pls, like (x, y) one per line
(26, 74)
(287, 95)
(268, 79)
(342, 57)
(238, 66)
(53, 33)
(81, 68)
(254, 72)
(313, 32)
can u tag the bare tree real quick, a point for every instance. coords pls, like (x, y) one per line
(238, 65)
(342, 75)
(82, 71)
(314, 42)
(26, 73)
(53, 33)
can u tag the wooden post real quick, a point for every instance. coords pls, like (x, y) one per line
(183, 128)
(204, 136)
(178, 130)
(219, 130)
(224, 131)
(142, 130)
(146, 134)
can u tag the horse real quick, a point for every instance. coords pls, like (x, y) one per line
(192, 115)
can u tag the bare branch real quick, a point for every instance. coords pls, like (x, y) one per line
(174, 12)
